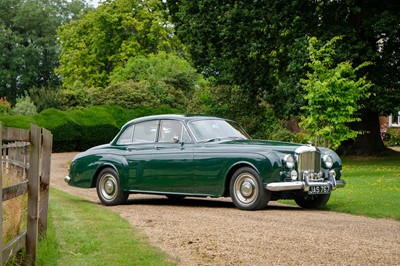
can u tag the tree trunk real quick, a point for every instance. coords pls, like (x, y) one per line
(368, 143)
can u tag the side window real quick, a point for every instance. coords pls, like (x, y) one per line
(126, 136)
(145, 132)
(185, 136)
(169, 130)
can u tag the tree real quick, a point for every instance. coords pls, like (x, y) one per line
(28, 48)
(170, 79)
(107, 37)
(262, 47)
(333, 95)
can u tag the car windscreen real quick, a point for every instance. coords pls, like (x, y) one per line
(216, 129)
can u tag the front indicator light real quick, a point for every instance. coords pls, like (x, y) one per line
(293, 175)
(332, 173)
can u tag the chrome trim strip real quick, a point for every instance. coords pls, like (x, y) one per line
(281, 186)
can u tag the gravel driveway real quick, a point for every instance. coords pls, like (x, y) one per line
(214, 232)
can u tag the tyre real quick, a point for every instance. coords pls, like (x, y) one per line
(313, 201)
(247, 191)
(109, 188)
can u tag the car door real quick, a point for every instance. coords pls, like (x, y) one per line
(139, 140)
(171, 161)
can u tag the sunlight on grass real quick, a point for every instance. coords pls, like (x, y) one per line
(87, 234)
(373, 187)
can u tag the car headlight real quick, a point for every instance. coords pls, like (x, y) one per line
(289, 161)
(328, 161)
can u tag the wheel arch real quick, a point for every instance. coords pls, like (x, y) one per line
(232, 170)
(103, 166)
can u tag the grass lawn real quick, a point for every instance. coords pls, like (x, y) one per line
(373, 187)
(82, 233)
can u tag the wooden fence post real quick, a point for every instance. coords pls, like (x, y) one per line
(45, 180)
(33, 195)
(1, 195)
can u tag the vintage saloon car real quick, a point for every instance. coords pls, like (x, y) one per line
(201, 156)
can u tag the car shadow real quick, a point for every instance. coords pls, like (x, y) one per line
(202, 203)
(187, 202)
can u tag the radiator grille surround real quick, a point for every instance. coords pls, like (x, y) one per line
(308, 160)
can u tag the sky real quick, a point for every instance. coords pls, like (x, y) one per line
(94, 3)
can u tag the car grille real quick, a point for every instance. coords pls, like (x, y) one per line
(309, 161)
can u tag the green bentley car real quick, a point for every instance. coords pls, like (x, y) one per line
(201, 156)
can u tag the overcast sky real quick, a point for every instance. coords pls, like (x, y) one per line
(93, 2)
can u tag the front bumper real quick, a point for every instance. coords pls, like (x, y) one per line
(304, 185)
(67, 179)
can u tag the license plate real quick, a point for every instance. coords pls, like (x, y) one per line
(315, 190)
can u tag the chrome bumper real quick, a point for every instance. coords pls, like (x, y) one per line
(67, 179)
(296, 185)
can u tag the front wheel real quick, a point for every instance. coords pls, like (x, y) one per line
(246, 190)
(109, 189)
(313, 201)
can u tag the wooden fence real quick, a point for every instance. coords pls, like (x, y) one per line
(25, 157)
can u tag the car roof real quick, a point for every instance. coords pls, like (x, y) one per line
(188, 117)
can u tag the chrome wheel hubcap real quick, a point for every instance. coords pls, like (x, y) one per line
(246, 188)
(108, 186)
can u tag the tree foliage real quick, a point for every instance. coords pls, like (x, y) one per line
(333, 94)
(28, 48)
(107, 37)
(168, 79)
(262, 47)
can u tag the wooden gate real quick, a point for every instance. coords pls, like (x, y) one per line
(25, 158)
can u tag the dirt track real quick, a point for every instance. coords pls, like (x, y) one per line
(213, 232)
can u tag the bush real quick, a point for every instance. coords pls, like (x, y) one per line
(46, 98)
(80, 129)
(5, 106)
(24, 106)
(98, 126)
(17, 121)
(393, 137)
(127, 94)
(66, 131)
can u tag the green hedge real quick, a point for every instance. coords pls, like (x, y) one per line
(80, 129)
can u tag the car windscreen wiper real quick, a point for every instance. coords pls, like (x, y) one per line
(212, 140)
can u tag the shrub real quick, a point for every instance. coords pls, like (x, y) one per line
(127, 94)
(80, 129)
(98, 126)
(393, 137)
(45, 98)
(24, 106)
(66, 131)
(17, 121)
(5, 106)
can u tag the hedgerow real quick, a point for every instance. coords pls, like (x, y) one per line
(80, 129)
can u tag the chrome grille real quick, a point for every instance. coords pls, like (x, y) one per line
(309, 161)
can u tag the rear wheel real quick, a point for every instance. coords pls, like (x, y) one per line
(109, 188)
(247, 191)
(313, 201)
